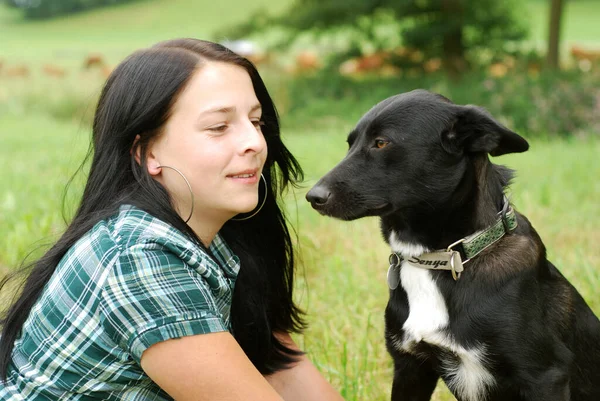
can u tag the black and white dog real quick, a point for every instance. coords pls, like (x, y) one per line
(473, 299)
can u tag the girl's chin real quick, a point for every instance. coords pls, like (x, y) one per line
(249, 207)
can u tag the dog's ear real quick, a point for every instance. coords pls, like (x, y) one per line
(473, 129)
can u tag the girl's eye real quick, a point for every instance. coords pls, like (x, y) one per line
(381, 143)
(258, 123)
(218, 128)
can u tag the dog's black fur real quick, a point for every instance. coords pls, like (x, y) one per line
(421, 164)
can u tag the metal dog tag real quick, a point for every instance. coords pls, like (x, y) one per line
(393, 273)
(456, 265)
(393, 277)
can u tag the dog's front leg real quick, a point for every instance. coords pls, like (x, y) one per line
(552, 385)
(414, 378)
(549, 379)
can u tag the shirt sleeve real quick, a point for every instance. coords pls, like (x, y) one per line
(151, 296)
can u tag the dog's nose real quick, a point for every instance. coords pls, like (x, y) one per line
(318, 195)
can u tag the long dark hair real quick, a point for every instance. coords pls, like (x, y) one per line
(136, 100)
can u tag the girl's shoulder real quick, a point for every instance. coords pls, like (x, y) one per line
(130, 228)
(133, 234)
(133, 228)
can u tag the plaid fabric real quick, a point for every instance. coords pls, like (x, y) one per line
(130, 282)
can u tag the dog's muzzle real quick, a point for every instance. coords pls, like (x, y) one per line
(318, 196)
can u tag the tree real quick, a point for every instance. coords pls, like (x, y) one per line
(553, 55)
(457, 31)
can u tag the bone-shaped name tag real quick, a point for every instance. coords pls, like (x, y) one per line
(437, 260)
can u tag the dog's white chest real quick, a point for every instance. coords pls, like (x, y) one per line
(428, 322)
(428, 316)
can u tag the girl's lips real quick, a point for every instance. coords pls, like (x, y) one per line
(248, 177)
(243, 176)
(244, 173)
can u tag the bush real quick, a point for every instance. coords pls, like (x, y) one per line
(534, 104)
(41, 9)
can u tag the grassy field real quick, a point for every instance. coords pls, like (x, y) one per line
(342, 280)
(118, 30)
(44, 135)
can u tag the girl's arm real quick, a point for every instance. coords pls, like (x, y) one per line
(206, 367)
(302, 382)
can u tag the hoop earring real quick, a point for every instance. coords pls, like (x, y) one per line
(261, 205)
(189, 187)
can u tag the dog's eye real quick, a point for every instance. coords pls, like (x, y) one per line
(381, 143)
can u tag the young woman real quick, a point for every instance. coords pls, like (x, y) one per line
(136, 300)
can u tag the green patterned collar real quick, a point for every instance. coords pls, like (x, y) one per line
(475, 243)
(450, 259)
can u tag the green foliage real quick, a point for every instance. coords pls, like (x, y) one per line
(485, 24)
(42, 9)
(427, 25)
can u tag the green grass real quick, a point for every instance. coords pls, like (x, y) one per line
(40, 155)
(44, 135)
(116, 31)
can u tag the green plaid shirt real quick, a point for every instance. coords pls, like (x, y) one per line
(130, 282)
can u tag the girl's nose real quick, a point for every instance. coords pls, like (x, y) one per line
(254, 140)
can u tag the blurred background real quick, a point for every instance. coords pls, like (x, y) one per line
(534, 64)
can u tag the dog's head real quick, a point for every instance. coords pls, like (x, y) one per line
(409, 151)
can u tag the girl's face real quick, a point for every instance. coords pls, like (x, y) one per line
(214, 138)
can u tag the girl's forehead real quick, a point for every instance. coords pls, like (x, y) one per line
(218, 84)
(220, 74)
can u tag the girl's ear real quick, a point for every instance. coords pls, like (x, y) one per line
(152, 163)
(135, 149)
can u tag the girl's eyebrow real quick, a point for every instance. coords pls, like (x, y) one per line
(228, 109)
